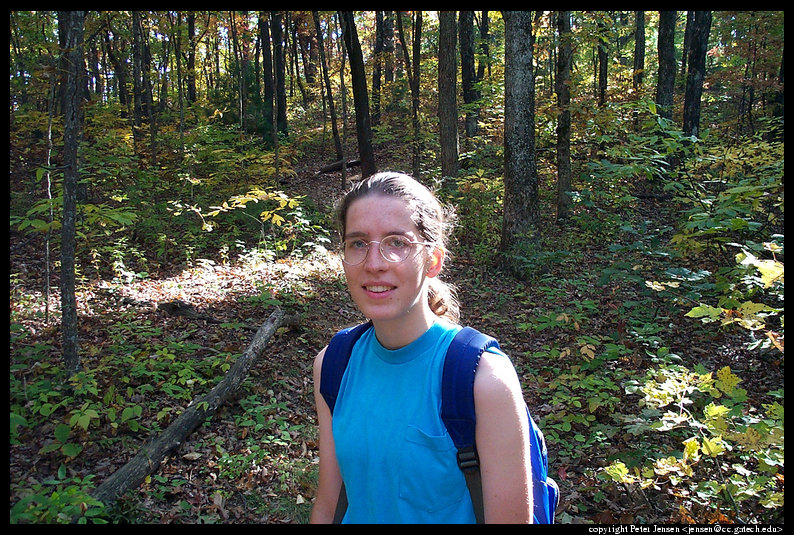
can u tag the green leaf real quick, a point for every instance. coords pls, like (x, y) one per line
(708, 312)
(62, 433)
(71, 449)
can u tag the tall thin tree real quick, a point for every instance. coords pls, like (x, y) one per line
(639, 58)
(327, 80)
(70, 23)
(468, 75)
(696, 71)
(412, 69)
(360, 95)
(447, 93)
(666, 78)
(268, 90)
(279, 68)
(563, 89)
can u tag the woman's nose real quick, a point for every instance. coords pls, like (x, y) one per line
(374, 260)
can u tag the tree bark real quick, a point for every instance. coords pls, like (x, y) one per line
(149, 457)
(521, 218)
(447, 93)
(279, 71)
(468, 75)
(327, 81)
(696, 71)
(413, 81)
(377, 68)
(268, 91)
(71, 24)
(602, 61)
(563, 87)
(639, 50)
(360, 96)
(666, 50)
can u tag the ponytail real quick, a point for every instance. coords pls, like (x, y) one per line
(443, 301)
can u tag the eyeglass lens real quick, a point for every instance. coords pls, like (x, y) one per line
(392, 248)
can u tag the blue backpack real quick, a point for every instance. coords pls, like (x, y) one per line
(457, 413)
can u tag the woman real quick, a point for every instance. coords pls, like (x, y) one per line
(386, 435)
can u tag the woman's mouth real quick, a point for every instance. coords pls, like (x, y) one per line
(378, 290)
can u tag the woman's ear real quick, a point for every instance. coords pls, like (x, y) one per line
(435, 262)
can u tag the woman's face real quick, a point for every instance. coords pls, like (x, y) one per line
(386, 291)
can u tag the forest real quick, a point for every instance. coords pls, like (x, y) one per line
(617, 178)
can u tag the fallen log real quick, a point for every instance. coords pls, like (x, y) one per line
(337, 166)
(149, 457)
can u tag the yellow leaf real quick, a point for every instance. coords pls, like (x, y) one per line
(771, 270)
(713, 447)
(655, 286)
(691, 449)
(727, 380)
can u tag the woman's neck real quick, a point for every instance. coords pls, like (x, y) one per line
(397, 333)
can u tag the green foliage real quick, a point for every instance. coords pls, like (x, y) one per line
(730, 453)
(741, 302)
(477, 200)
(62, 500)
(734, 194)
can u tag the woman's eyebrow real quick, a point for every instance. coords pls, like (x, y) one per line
(364, 234)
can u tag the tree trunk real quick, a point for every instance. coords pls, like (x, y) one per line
(279, 70)
(666, 50)
(146, 87)
(447, 93)
(485, 53)
(468, 76)
(191, 57)
(639, 50)
(639, 60)
(521, 218)
(119, 68)
(149, 457)
(413, 81)
(327, 80)
(70, 24)
(696, 72)
(268, 91)
(602, 61)
(687, 41)
(377, 68)
(388, 46)
(360, 96)
(563, 89)
(137, 90)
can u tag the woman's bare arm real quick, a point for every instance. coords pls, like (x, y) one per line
(330, 480)
(502, 437)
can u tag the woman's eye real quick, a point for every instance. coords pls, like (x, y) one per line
(397, 242)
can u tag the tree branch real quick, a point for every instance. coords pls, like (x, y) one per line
(149, 457)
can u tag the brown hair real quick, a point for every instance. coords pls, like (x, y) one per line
(433, 220)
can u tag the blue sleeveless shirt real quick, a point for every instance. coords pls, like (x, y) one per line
(396, 458)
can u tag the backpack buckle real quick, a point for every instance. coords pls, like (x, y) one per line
(468, 458)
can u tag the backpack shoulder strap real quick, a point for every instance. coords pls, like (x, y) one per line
(457, 405)
(457, 384)
(335, 360)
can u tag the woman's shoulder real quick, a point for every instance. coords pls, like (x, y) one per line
(496, 375)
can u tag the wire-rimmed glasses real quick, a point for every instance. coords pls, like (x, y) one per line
(394, 249)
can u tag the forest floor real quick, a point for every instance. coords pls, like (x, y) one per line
(255, 461)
